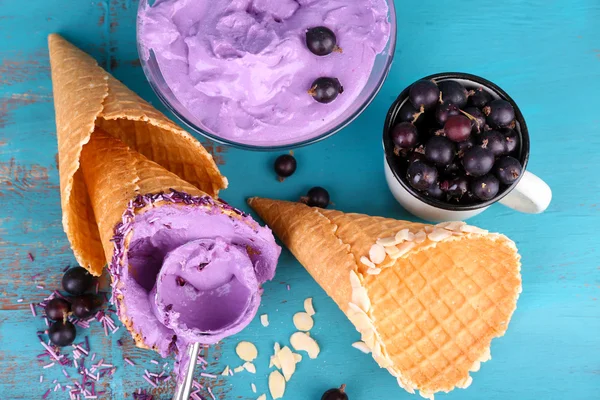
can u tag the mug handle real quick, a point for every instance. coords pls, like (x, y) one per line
(532, 195)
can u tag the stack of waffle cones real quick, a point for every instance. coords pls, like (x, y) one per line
(429, 315)
(112, 146)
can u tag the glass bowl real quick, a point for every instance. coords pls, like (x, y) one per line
(381, 68)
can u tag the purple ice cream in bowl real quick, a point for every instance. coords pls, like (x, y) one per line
(266, 74)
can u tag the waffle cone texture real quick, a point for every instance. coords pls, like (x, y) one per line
(429, 316)
(134, 149)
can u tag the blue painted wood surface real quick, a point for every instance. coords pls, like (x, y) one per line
(545, 54)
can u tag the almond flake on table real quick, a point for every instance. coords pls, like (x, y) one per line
(253, 386)
(248, 366)
(276, 385)
(301, 341)
(246, 351)
(287, 361)
(225, 371)
(303, 321)
(262, 397)
(308, 306)
(238, 369)
(362, 346)
(264, 320)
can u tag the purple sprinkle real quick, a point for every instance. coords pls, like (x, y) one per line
(31, 257)
(19, 300)
(150, 381)
(288, 287)
(32, 309)
(128, 361)
(66, 268)
(40, 287)
(46, 394)
(154, 362)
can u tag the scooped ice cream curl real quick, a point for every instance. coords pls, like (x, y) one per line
(188, 270)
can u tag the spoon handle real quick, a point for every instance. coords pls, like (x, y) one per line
(184, 386)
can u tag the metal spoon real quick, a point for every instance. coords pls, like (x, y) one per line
(184, 386)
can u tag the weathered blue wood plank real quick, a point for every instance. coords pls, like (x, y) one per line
(545, 54)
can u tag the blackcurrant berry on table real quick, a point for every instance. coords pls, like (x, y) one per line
(335, 394)
(511, 138)
(62, 333)
(85, 306)
(57, 309)
(317, 197)
(285, 165)
(77, 280)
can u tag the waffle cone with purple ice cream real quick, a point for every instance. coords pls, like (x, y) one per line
(429, 309)
(138, 192)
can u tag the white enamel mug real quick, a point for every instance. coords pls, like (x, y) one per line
(529, 194)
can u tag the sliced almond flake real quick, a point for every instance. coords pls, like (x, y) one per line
(248, 366)
(276, 347)
(388, 241)
(426, 395)
(355, 280)
(308, 306)
(377, 253)
(465, 383)
(225, 371)
(274, 362)
(262, 397)
(361, 321)
(404, 235)
(297, 357)
(455, 226)
(361, 299)
(437, 235)
(238, 369)
(420, 236)
(403, 249)
(475, 367)
(368, 337)
(301, 341)
(374, 271)
(276, 384)
(367, 262)
(443, 225)
(253, 386)
(303, 321)
(428, 229)
(264, 320)
(246, 351)
(473, 229)
(391, 251)
(288, 362)
(362, 347)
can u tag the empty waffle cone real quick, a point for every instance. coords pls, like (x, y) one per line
(86, 98)
(429, 309)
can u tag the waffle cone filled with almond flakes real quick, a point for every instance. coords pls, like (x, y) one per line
(427, 300)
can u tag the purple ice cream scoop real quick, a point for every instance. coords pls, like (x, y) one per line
(188, 270)
(242, 68)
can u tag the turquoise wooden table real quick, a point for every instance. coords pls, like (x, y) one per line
(546, 54)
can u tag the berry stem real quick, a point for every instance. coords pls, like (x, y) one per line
(343, 388)
(417, 115)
